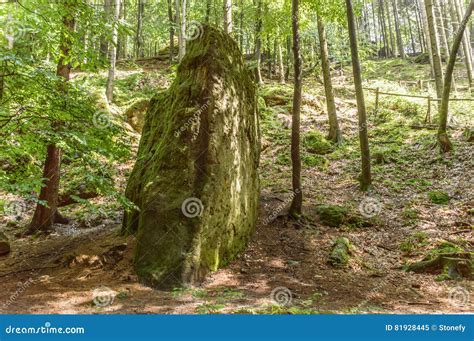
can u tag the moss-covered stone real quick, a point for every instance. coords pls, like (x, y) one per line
(315, 142)
(135, 114)
(332, 215)
(195, 181)
(340, 253)
(4, 244)
(438, 197)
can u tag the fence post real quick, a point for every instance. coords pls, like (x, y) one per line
(377, 100)
(428, 113)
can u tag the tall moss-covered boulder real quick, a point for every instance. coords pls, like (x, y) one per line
(195, 181)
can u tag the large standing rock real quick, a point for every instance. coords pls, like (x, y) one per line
(195, 181)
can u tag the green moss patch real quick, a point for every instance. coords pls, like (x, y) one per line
(332, 215)
(314, 142)
(340, 253)
(438, 197)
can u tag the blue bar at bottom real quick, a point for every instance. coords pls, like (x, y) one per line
(237, 327)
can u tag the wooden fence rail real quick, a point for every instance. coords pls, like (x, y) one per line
(429, 100)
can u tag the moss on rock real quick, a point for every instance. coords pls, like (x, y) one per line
(332, 215)
(4, 244)
(135, 114)
(195, 182)
(314, 142)
(340, 253)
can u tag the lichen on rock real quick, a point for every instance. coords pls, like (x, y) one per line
(195, 181)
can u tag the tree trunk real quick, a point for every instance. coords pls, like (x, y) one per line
(241, 23)
(258, 43)
(439, 22)
(421, 35)
(401, 50)
(427, 35)
(297, 202)
(334, 131)
(181, 21)
(208, 11)
(171, 30)
(376, 34)
(438, 69)
(468, 57)
(288, 57)
(365, 179)
(139, 33)
(120, 39)
(383, 26)
(104, 44)
(46, 215)
(390, 31)
(109, 88)
(228, 16)
(443, 138)
(410, 29)
(281, 67)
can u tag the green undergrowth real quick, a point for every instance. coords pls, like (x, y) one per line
(414, 242)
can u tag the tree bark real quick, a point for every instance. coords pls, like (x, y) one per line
(181, 21)
(109, 88)
(433, 36)
(421, 35)
(366, 177)
(334, 131)
(426, 31)
(281, 67)
(139, 33)
(171, 30)
(468, 57)
(208, 11)
(46, 215)
(443, 138)
(410, 30)
(439, 22)
(401, 50)
(258, 43)
(228, 16)
(390, 31)
(383, 27)
(297, 202)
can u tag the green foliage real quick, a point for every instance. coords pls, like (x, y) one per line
(438, 197)
(414, 241)
(316, 161)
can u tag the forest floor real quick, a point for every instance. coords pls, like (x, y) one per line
(86, 266)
